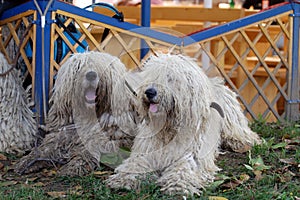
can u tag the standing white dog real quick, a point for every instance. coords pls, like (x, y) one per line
(183, 123)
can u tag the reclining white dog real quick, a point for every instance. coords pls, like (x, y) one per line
(183, 123)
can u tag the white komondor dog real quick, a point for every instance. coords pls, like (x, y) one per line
(80, 121)
(236, 133)
(184, 122)
(18, 126)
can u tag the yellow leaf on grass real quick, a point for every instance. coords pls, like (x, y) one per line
(98, 173)
(55, 194)
(75, 192)
(39, 184)
(49, 172)
(243, 149)
(258, 175)
(78, 187)
(216, 198)
(244, 177)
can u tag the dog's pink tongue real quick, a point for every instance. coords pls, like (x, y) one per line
(153, 107)
(90, 96)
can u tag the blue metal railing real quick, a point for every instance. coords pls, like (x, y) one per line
(293, 90)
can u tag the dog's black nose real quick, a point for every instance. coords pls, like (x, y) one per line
(151, 93)
(91, 75)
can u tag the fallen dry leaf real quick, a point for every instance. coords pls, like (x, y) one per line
(231, 184)
(295, 141)
(290, 161)
(74, 192)
(38, 184)
(100, 172)
(55, 194)
(216, 198)
(49, 173)
(2, 157)
(283, 169)
(292, 147)
(30, 179)
(243, 149)
(287, 176)
(78, 187)
(244, 177)
(258, 174)
(8, 183)
(236, 182)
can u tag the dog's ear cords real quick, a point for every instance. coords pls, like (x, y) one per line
(218, 108)
(130, 88)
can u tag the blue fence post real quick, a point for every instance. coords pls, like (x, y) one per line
(145, 22)
(42, 69)
(292, 107)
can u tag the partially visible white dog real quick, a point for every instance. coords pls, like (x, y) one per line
(18, 125)
(184, 119)
(80, 121)
(236, 133)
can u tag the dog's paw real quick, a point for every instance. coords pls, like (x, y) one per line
(78, 166)
(30, 164)
(240, 144)
(119, 181)
(180, 189)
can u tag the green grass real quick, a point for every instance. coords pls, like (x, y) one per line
(268, 171)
